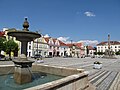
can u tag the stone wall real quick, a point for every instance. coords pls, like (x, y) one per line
(75, 79)
(62, 71)
(72, 82)
(6, 69)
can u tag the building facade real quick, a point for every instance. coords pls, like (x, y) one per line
(103, 46)
(48, 46)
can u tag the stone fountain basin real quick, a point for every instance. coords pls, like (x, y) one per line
(23, 63)
(74, 79)
(24, 35)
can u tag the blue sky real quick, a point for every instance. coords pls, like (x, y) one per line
(73, 19)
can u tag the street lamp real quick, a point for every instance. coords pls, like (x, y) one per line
(37, 44)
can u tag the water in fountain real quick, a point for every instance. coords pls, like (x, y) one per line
(38, 79)
(6, 75)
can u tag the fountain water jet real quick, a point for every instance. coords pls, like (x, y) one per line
(22, 74)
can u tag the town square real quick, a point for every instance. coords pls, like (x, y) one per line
(59, 45)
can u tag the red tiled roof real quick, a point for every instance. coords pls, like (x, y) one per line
(69, 45)
(47, 39)
(90, 48)
(111, 43)
(54, 40)
(2, 34)
(62, 43)
(76, 44)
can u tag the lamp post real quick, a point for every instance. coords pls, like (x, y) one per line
(37, 44)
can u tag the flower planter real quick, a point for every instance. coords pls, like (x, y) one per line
(97, 66)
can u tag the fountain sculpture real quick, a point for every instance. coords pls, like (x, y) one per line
(22, 65)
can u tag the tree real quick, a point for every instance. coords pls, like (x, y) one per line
(95, 53)
(100, 53)
(118, 52)
(2, 40)
(10, 46)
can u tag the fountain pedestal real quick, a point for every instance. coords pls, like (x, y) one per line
(22, 73)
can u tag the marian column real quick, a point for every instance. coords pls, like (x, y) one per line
(108, 44)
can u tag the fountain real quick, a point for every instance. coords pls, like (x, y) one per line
(108, 53)
(68, 78)
(22, 74)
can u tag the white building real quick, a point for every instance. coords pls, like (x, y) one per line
(114, 46)
(47, 47)
(38, 46)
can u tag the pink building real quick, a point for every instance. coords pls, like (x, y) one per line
(55, 47)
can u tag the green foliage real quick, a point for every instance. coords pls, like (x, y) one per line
(10, 46)
(118, 53)
(2, 40)
(100, 53)
(95, 53)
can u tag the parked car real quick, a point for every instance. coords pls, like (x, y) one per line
(2, 56)
(37, 56)
(48, 56)
(83, 56)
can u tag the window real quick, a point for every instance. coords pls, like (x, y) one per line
(29, 54)
(101, 50)
(29, 47)
(50, 47)
(115, 46)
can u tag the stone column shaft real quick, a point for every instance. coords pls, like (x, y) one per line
(24, 47)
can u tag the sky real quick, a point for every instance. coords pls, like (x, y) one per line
(76, 20)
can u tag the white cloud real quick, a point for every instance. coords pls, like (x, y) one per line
(89, 14)
(46, 35)
(89, 42)
(64, 39)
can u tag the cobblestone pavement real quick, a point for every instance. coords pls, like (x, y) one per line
(85, 63)
(107, 78)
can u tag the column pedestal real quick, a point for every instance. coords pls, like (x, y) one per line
(22, 75)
